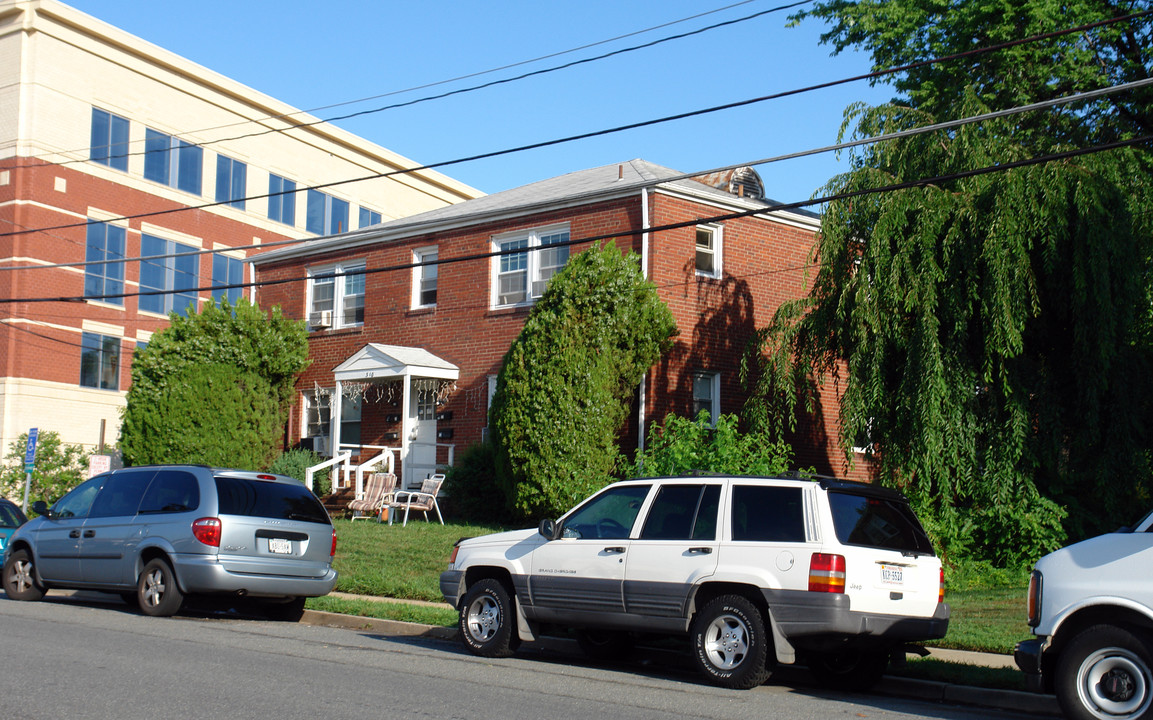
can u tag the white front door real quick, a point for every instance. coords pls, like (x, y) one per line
(421, 460)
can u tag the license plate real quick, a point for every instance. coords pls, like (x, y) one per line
(892, 575)
(280, 546)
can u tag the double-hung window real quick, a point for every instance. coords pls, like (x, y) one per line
(336, 296)
(231, 181)
(368, 217)
(327, 215)
(281, 200)
(521, 277)
(424, 278)
(707, 394)
(109, 144)
(318, 416)
(103, 278)
(170, 272)
(708, 259)
(172, 161)
(227, 271)
(99, 361)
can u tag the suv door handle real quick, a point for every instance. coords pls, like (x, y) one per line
(616, 549)
(700, 550)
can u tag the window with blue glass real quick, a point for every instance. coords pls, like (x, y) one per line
(99, 361)
(227, 271)
(102, 278)
(172, 161)
(109, 144)
(169, 275)
(327, 215)
(281, 200)
(368, 217)
(231, 177)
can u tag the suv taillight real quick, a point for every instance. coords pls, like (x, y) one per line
(827, 573)
(207, 531)
(1033, 600)
(333, 552)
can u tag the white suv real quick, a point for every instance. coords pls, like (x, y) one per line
(753, 570)
(1091, 609)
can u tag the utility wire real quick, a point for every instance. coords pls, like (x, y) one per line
(609, 131)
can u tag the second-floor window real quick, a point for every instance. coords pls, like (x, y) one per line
(231, 181)
(424, 278)
(109, 144)
(172, 161)
(227, 271)
(336, 296)
(708, 258)
(327, 215)
(522, 277)
(174, 279)
(281, 200)
(105, 242)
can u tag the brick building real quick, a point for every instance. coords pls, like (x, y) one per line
(406, 352)
(113, 149)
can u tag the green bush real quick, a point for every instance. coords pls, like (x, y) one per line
(568, 380)
(59, 468)
(471, 484)
(295, 463)
(684, 445)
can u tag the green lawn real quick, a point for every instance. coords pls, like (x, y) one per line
(406, 562)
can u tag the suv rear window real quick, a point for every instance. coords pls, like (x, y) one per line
(259, 498)
(877, 522)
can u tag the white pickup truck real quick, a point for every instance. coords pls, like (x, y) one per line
(1091, 610)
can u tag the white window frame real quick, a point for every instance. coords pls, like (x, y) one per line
(339, 273)
(714, 399)
(716, 232)
(534, 282)
(420, 275)
(320, 402)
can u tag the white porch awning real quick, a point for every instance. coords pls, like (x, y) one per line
(383, 362)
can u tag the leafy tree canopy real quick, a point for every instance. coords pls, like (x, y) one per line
(59, 468)
(567, 382)
(682, 446)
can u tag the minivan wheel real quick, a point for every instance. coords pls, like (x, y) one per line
(729, 643)
(156, 590)
(487, 624)
(20, 581)
(1104, 673)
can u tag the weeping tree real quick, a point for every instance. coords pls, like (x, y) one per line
(990, 333)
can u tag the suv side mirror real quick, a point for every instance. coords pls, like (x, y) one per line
(547, 528)
(41, 508)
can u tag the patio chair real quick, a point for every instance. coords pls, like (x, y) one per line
(423, 499)
(375, 498)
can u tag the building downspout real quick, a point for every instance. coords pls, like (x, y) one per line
(643, 394)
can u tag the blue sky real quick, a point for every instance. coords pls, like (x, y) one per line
(313, 54)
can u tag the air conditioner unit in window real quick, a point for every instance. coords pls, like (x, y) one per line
(317, 444)
(321, 320)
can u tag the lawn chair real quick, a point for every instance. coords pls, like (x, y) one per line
(423, 499)
(375, 499)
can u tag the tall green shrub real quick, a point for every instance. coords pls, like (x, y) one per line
(567, 381)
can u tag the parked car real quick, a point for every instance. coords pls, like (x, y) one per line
(11, 517)
(157, 534)
(1091, 609)
(754, 571)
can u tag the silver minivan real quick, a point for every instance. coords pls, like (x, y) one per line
(157, 534)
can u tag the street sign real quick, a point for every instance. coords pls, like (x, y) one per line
(30, 452)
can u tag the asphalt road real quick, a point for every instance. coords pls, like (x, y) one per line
(66, 658)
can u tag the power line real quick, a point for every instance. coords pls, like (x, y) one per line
(620, 128)
(935, 180)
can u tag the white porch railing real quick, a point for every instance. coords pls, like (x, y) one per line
(346, 470)
(336, 459)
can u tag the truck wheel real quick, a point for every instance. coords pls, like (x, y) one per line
(1104, 674)
(487, 623)
(855, 670)
(729, 643)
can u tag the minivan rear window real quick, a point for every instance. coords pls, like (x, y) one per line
(878, 522)
(260, 498)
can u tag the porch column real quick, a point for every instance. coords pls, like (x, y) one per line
(406, 428)
(334, 414)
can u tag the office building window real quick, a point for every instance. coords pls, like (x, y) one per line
(281, 200)
(336, 296)
(424, 278)
(171, 271)
(368, 217)
(327, 215)
(231, 181)
(172, 161)
(227, 271)
(99, 361)
(109, 144)
(521, 277)
(102, 278)
(709, 251)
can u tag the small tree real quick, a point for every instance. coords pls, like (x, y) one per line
(685, 445)
(567, 381)
(59, 468)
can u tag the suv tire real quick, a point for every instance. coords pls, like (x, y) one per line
(156, 591)
(487, 624)
(729, 643)
(1105, 672)
(20, 581)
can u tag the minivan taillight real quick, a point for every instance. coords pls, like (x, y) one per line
(827, 573)
(332, 553)
(207, 531)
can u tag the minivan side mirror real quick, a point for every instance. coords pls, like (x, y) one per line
(547, 528)
(41, 508)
